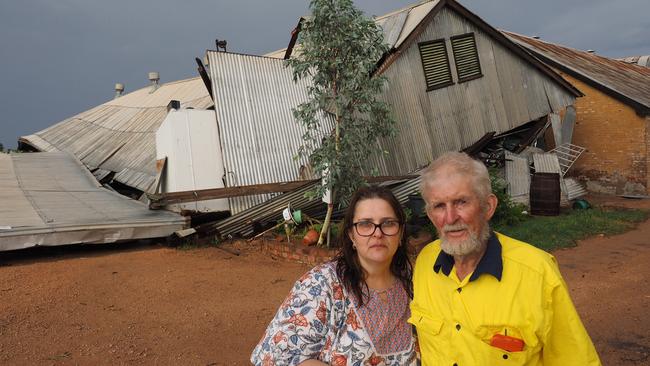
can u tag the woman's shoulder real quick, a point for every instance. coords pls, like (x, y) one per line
(322, 272)
(321, 280)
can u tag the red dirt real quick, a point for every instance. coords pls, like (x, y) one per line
(148, 304)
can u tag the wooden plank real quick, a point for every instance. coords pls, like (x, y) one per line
(163, 199)
(476, 147)
(532, 134)
(161, 165)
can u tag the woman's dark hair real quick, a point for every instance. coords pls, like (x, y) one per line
(348, 267)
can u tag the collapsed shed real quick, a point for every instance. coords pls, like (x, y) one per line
(452, 79)
(50, 199)
(116, 140)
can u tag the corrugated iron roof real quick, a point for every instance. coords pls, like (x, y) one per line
(51, 199)
(627, 82)
(254, 96)
(277, 53)
(119, 135)
(399, 24)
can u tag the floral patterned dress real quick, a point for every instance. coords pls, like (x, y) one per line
(318, 320)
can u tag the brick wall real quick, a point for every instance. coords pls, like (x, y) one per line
(616, 138)
(297, 252)
(647, 153)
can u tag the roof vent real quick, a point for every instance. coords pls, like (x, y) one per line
(154, 77)
(591, 51)
(119, 89)
(221, 44)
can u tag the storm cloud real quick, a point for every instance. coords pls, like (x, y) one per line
(62, 57)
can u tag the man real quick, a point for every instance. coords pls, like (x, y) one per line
(482, 298)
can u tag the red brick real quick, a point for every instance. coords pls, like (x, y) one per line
(616, 139)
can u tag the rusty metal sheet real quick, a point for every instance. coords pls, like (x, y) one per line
(627, 82)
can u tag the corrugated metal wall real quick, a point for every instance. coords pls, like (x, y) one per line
(254, 97)
(510, 93)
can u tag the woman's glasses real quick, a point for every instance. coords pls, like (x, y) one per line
(368, 228)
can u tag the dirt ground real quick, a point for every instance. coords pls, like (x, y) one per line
(149, 304)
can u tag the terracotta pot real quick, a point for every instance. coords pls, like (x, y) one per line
(311, 237)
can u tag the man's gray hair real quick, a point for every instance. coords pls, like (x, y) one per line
(460, 163)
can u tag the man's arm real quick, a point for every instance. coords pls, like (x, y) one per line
(567, 341)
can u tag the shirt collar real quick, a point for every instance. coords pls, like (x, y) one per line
(490, 263)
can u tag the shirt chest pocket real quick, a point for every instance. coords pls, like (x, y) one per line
(428, 330)
(511, 346)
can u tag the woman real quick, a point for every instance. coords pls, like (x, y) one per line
(352, 310)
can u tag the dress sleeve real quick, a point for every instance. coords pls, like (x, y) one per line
(567, 341)
(300, 329)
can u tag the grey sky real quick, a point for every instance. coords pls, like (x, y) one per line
(61, 57)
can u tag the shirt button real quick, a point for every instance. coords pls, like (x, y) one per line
(505, 357)
(455, 364)
(457, 326)
(459, 289)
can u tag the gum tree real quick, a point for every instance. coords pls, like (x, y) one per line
(338, 50)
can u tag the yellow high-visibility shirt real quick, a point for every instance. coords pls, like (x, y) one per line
(516, 290)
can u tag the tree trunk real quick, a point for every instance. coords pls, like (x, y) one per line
(326, 224)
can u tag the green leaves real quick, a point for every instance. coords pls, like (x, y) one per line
(339, 49)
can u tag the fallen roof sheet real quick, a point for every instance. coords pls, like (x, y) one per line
(629, 83)
(517, 172)
(574, 189)
(119, 135)
(254, 97)
(242, 223)
(547, 163)
(51, 199)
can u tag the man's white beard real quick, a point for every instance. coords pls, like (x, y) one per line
(472, 244)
